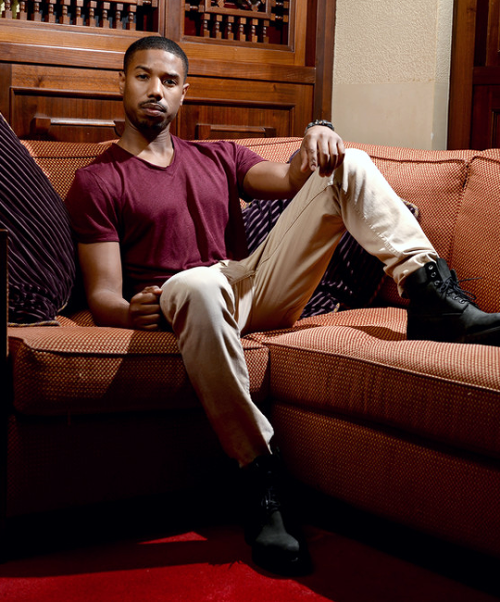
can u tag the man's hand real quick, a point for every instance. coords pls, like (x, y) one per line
(144, 310)
(321, 148)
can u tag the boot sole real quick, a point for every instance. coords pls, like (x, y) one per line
(489, 337)
(297, 566)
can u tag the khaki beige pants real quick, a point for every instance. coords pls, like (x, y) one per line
(209, 308)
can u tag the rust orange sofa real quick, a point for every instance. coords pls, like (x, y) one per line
(408, 430)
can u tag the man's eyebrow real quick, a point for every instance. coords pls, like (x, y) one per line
(172, 74)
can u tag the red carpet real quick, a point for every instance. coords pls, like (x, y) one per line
(213, 564)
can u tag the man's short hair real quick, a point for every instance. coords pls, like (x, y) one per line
(156, 43)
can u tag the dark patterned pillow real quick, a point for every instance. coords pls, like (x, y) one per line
(41, 251)
(353, 276)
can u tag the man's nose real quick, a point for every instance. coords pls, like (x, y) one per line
(155, 87)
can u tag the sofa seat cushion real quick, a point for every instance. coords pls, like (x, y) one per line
(91, 370)
(358, 364)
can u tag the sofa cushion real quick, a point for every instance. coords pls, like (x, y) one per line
(272, 149)
(41, 258)
(89, 370)
(359, 364)
(478, 231)
(434, 181)
(388, 473)
(60, 160)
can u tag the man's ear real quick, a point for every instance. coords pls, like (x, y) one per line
(121, 81)
(185, 88)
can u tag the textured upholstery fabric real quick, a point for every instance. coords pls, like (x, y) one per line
(383, 471)
(86, 370)
(445, 392)
(475, 244)
(273, 149)
(41, 254)
(432, 180)
(77, 460)
(60, 160)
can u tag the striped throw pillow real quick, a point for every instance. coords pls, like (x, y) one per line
(41, 257)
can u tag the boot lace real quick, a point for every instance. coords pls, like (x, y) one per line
(270, 499)
(451, 287)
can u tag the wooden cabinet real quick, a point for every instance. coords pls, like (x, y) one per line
(257, 67)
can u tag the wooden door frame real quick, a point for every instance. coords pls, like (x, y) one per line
(462, 73)
(324, 53)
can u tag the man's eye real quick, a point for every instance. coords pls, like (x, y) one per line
(169, 82)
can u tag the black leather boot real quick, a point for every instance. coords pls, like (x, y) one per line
(267, 530)
(440, 310)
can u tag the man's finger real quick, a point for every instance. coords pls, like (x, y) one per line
(309, 159)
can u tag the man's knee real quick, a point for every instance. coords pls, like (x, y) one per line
(356, 159)
(200, 289)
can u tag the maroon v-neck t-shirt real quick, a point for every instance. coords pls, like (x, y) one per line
(165, 219)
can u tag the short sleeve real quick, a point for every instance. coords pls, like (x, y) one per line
(245, 160)
(93, 210)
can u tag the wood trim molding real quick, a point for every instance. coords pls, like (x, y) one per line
(207, 131)
(462, 74)
(324, 56)
(30, 91)
(232, 102)
(113, 61)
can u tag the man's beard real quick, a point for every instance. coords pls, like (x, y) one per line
(146, 125)
(150, 126)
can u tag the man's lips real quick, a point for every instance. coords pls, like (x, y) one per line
(153, 107)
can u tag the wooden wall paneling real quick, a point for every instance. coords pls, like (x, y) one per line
(92, 16)
(236, 120)
(268, 26)
(206, 131)
(76, 65)
(50, 114)
(475, 75)
(486, 77)
(67, 79)
(492, 36)
(461, 75)
(64, 104)
(282, 107)
(324, 26)
(5, 83)
(486, 117)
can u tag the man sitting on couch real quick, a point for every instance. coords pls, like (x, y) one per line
(161, 244)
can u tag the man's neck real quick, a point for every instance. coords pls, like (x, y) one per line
(158, 151)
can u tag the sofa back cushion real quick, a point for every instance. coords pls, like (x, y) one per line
(477, 234)
(60, 160)
(434, 181)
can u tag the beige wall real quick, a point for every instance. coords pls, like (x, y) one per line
(391, 73)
